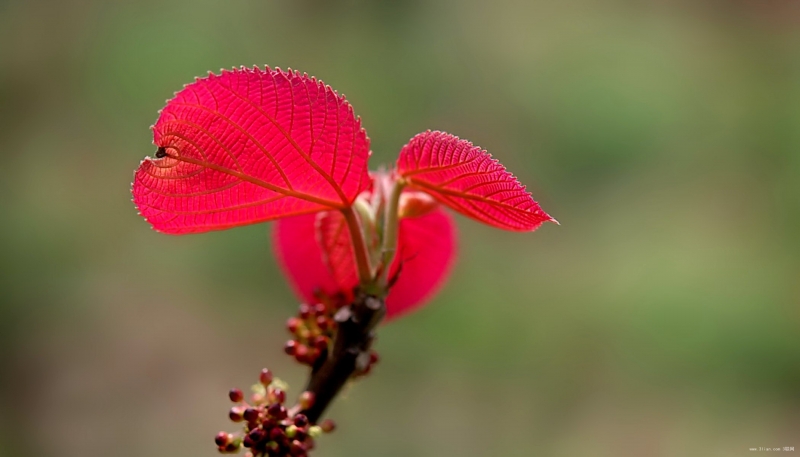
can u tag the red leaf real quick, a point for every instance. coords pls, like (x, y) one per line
(250, 146)
(467, 179)
(426, 250)
(294, 240)
(333, 237)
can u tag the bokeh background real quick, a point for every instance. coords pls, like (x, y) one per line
(660, 319)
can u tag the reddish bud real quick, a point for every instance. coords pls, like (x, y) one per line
(313, 355)
(305, 311)
(222, 439)
(235, 413)
(373, 357)
(321, 343)
(257, 435)
(307, 400)
(277, 434)
(328, 426)
(293, 324)
(413, 204)
(320, 308)
(323, 323)
(290, 347)
(250, 414)
(247, 441)
(301, 353)
(265, 377)
(277, 411)
(300, 420)
(277, 396)
(236, 395)
(297, 448)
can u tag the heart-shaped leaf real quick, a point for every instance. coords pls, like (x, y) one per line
(467, 179)
(249, 146)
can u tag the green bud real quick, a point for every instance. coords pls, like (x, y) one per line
(280, 384)
(259, 389)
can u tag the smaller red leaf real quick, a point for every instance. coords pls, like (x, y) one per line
(467, 179)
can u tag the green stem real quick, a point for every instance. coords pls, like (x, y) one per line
(390, 229)
(359, 246)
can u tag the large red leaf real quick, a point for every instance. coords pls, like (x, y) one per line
(467, 179)
(426, 250)
(248, 146)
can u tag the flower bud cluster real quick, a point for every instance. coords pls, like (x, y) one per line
(270, 429)
(313, 329)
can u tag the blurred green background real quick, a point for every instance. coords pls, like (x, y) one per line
(660, 319)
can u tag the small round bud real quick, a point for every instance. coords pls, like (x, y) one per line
(374, 357)
(258, 398)
(323, 323)
(222, 439)
(290, 347)
(265, 377)
(257, 435)
(301, 434)
(300, 420)
(328, 426)
(250, 414)
(307, 400)
(247, 442)
(297, 448)
(321, 343)
(313, 355)
(236, 395)
(320, 308)
(232, 447)
(277, 396)
(291, 431)
(314, 431)
(277, 434)
(301, 353)
(413, 204)
(235, 414)
(273, 447)
(277, 411)
(305, 311)
(293, 324)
